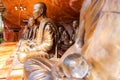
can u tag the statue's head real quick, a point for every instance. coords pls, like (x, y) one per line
(31, 22)
(39, 10)
(75, 24)
(61, 28)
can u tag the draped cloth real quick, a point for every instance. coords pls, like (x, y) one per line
(102, 40)
(43, 24)
(44, 43)
(47, 36)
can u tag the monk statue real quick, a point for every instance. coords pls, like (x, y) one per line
(64, 41)
(45, 41)
(33, 29)
(25, 33)
(75, 26)
(30, 35)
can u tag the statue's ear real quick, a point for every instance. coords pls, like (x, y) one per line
(41, 11)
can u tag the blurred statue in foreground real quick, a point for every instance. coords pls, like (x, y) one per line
(98, 38)
(45, 42)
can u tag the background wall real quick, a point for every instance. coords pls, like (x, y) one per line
(62, 11)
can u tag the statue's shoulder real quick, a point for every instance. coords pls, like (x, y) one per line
(46, 20)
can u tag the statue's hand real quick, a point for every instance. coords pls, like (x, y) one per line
(21, 56)
(32, 44)
(70, 41)
(43, 54)
(37, 54)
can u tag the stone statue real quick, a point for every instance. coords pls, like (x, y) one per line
(75, 29)
(33, 29)
(25, 32)
(47, 32)
(64, 39)
(46, 38)
(30, 35)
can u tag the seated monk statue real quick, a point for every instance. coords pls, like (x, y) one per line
(33, 29)
(29, 35)
(75, 26)
(25, 33)
(45, 41)
(64, 41)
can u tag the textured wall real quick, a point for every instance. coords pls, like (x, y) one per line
(62, 11)
(57, 9)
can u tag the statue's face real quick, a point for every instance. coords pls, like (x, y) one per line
(31, 22)
(60, 29)
(37, 11)
(75, 24)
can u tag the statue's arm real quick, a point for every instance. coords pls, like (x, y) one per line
(81, 31)
(47, 42)
(34, 32)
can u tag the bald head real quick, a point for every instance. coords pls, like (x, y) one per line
(40, 5)
(39, 9)
(75, 24)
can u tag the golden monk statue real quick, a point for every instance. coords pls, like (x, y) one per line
(64, 41)
(33, 29)
(45, 41)
(25, 33)
(29, 34)
(75, 26)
